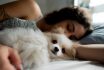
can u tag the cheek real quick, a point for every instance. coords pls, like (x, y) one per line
(80, 31)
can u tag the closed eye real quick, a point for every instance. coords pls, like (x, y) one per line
(70, 28)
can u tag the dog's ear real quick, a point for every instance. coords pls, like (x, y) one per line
(73, 49)
(71, 52)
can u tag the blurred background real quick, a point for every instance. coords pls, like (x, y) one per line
(96, 7)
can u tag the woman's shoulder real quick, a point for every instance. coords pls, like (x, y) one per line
(27, 9)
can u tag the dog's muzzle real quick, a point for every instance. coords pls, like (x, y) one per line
(55, 50)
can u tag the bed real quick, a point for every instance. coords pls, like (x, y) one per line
(72, 65)
(97, 36)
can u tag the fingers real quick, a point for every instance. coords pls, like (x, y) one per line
(7, 66)
(15, 58)
(4, 61)
(9, 59)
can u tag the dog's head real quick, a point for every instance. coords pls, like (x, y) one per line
(59, 47)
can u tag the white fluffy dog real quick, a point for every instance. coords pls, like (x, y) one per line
(37, 48)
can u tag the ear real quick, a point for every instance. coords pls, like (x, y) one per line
(71, 52)
(73, 49)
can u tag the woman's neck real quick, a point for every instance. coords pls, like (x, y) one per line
(42, 25)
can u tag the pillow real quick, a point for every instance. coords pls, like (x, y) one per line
(96, 37)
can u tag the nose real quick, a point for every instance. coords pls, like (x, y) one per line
(56, 49)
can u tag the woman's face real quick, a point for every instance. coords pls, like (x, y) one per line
(71, 29)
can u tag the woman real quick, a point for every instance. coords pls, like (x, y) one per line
(28, 9)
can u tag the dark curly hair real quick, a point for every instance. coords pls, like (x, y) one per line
(68, 13)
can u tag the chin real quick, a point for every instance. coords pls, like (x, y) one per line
(36, 48)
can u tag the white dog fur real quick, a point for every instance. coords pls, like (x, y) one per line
(36, 48)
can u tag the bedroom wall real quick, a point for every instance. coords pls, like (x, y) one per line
(5, 1)
(48, 5)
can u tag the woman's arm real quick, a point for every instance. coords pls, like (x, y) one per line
(27, 9)
(94, 52)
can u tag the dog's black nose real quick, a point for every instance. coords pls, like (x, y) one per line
(56, 49)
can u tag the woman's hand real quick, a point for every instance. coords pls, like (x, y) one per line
(9, 59)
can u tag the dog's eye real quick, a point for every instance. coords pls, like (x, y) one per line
(54, 41)
(63, 50)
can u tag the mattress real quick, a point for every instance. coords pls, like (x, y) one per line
(72, 65)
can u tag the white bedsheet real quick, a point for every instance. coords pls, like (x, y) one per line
(72, 65)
